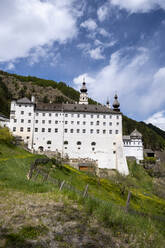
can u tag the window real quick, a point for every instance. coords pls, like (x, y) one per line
(78, 130)
(15, 120)
(78, 115)
(37, 114)
(104, 123)
(84, 122)
(27, 137)
(110, 123)
(36, 121)
(84, 130)
(22, 112)
(65, 142)
(91, 116)
(117, 123)
(36, 130)
(43, 114)
(78, 122)
(84, 115)
(110, 116)
(49, 121)
(72, 115)
(21, 129)
(65, 130)
(97, 123)
(72, 122)
(78, 143)
(56, 114)
(49, 142)
(22, 120)
(97, 116)
(29, 121)
(97, 131)
(110, 131)
(19, 105)
(28, 129)
(43, 121)
(104, 131)
(93, 149)
(30, 114)
(93, 143)
(56, 130)
(91, 123)
(117, 131)
(49, 130)
(50, 114)
(14, 129)
(56, 122)
(91, 131)
(104, 116)
(114, 143)
(43, 130)
(114, 152)
(65, 122)
(71, 130)
(117, 117)
(66, 115)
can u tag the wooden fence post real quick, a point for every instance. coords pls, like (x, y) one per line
(62, 184)
(85, 191)
(35, 177)
(128, 201)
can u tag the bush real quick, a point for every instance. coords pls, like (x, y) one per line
(6, 136)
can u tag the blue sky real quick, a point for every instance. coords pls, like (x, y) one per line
(118, 45)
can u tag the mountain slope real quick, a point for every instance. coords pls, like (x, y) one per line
(16, 86)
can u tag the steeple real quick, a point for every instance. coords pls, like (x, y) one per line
(108, 103)
(116, 103)
(83, 93)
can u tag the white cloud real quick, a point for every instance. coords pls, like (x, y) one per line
(96, 53)
(102, 12)
(89, 24)
(157, 119)
(25, 25)
(103, 32)
(142, 6)
(139, 84)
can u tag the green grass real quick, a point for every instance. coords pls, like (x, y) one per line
(109, 196)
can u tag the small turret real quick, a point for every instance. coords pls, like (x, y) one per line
(108, 103)
(83, 94)
(116, 103)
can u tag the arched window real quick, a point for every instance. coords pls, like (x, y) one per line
(40, 148)
(49, 142)
(78, 142)
(93, 143)
(65, 142)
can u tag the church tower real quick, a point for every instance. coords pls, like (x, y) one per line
(83, 94)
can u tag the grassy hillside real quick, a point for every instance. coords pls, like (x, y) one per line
(15, 86)
(33, 212)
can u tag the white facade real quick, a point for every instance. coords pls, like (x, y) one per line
(78, 130)
(133, 145)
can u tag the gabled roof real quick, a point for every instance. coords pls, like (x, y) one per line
(24, 100)
(88, 108)
(136, 133)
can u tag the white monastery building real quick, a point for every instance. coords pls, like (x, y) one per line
(133, 145)
(79, 130)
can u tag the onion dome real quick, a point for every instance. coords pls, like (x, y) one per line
(116, 103)
(83, 88)
(108, 103)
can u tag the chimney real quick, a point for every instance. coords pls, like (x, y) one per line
(33, 99)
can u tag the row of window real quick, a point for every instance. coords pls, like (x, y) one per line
(78, 122)
(72, 115)
(77, 131)
(22, 129)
